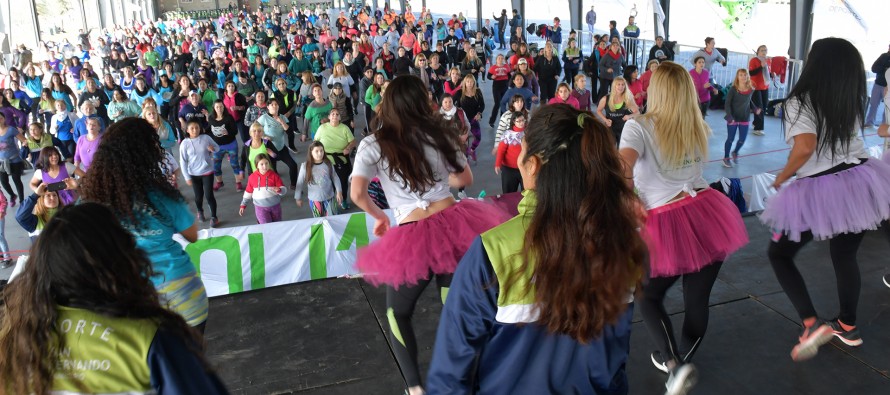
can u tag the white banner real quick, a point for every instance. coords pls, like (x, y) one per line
(232, 260)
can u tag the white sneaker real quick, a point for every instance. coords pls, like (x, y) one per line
(757, 132)
(682, 378)
(461, 195)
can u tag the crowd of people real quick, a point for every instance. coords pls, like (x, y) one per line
(392, 106)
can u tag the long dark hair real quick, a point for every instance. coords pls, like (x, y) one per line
(128, 165)
(43, 162)
(583, 269)
(831, 89)
(84, 259)
(404, 125)
(310, 162)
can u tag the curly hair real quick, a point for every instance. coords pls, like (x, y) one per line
(83, 259)
(128, 165)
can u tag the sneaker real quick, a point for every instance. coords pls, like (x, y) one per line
(214, 222)
(735, 157)
(850, 338)
(810, 340)
(12, 201)
(757, 132)
(5, 263)
(659, 362)
(726, 162)
(887, 280)
(217, 185)
(200, 217)
(239, 187)
(682, 378)
(293, 150)
(461, 195)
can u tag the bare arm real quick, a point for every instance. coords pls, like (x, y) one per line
(190, 234)
(804, 147)
(462, 179)
(629, 157)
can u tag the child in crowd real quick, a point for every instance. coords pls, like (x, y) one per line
(265, 187)
(63, 125)
(581, 93)
(323, 184)
(564, 96)
(506, 163)
(196, 161)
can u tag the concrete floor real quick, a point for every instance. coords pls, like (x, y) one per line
(330, 336)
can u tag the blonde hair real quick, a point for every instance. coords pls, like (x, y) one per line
(417, 60)
(680, 130)
(334, 70)
(626, 98)
(580, 77)
(736, 83)
(256, 126)
(463, 86)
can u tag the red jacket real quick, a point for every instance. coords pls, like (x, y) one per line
(779, 65)
(508, 149)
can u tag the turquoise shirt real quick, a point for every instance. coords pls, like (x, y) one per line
(155, 237)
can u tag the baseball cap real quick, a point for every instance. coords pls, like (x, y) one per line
(522, 61)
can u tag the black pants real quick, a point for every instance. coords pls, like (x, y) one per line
(605, 85)
(760, 99)
(696, 295)
(292, 131)
(548, 88)
(570, 77)
(843, 250)
(204, 185)
(283, 155)
(16, 170)
(703, 106)
(343, 171)
(399, 309)
(498, 88)
(511, 179)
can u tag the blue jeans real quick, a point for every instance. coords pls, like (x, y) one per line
(4, 246)
(730, 136)
(874, 101)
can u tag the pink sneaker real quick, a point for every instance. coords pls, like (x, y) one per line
(218, 185)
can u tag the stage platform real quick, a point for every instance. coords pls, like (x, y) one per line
(329, 336)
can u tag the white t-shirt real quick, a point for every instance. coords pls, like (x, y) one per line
(817, 163)
(656, 183)
(369, 164)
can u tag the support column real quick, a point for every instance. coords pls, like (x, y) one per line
(478, 15)
(801, 28)
(576, 14)
(666, 7)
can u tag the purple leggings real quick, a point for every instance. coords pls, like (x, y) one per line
(265, 215)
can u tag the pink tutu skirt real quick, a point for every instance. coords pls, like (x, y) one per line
(691, 233)
(409, 252)
(849, 201)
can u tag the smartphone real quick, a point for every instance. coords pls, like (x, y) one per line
(56, 186)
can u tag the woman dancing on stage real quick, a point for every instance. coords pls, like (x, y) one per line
(690, 229)
(417, 156)
(839, 193)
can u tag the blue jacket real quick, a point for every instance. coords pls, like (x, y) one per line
(488, 341)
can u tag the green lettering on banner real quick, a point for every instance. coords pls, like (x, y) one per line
(230, 247)
(356, 231)
(318, 262)
(257, 261)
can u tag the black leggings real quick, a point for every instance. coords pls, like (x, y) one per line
(760, 99)
(201, 185)
(399, 309)
(283, 155)
(511, 179)
(343, 173)
(498, 88)
(16, 170)
(696, 295)
(843, 250)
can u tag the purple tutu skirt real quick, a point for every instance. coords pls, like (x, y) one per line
(408, 253)
(691, 233)
(849, 201)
